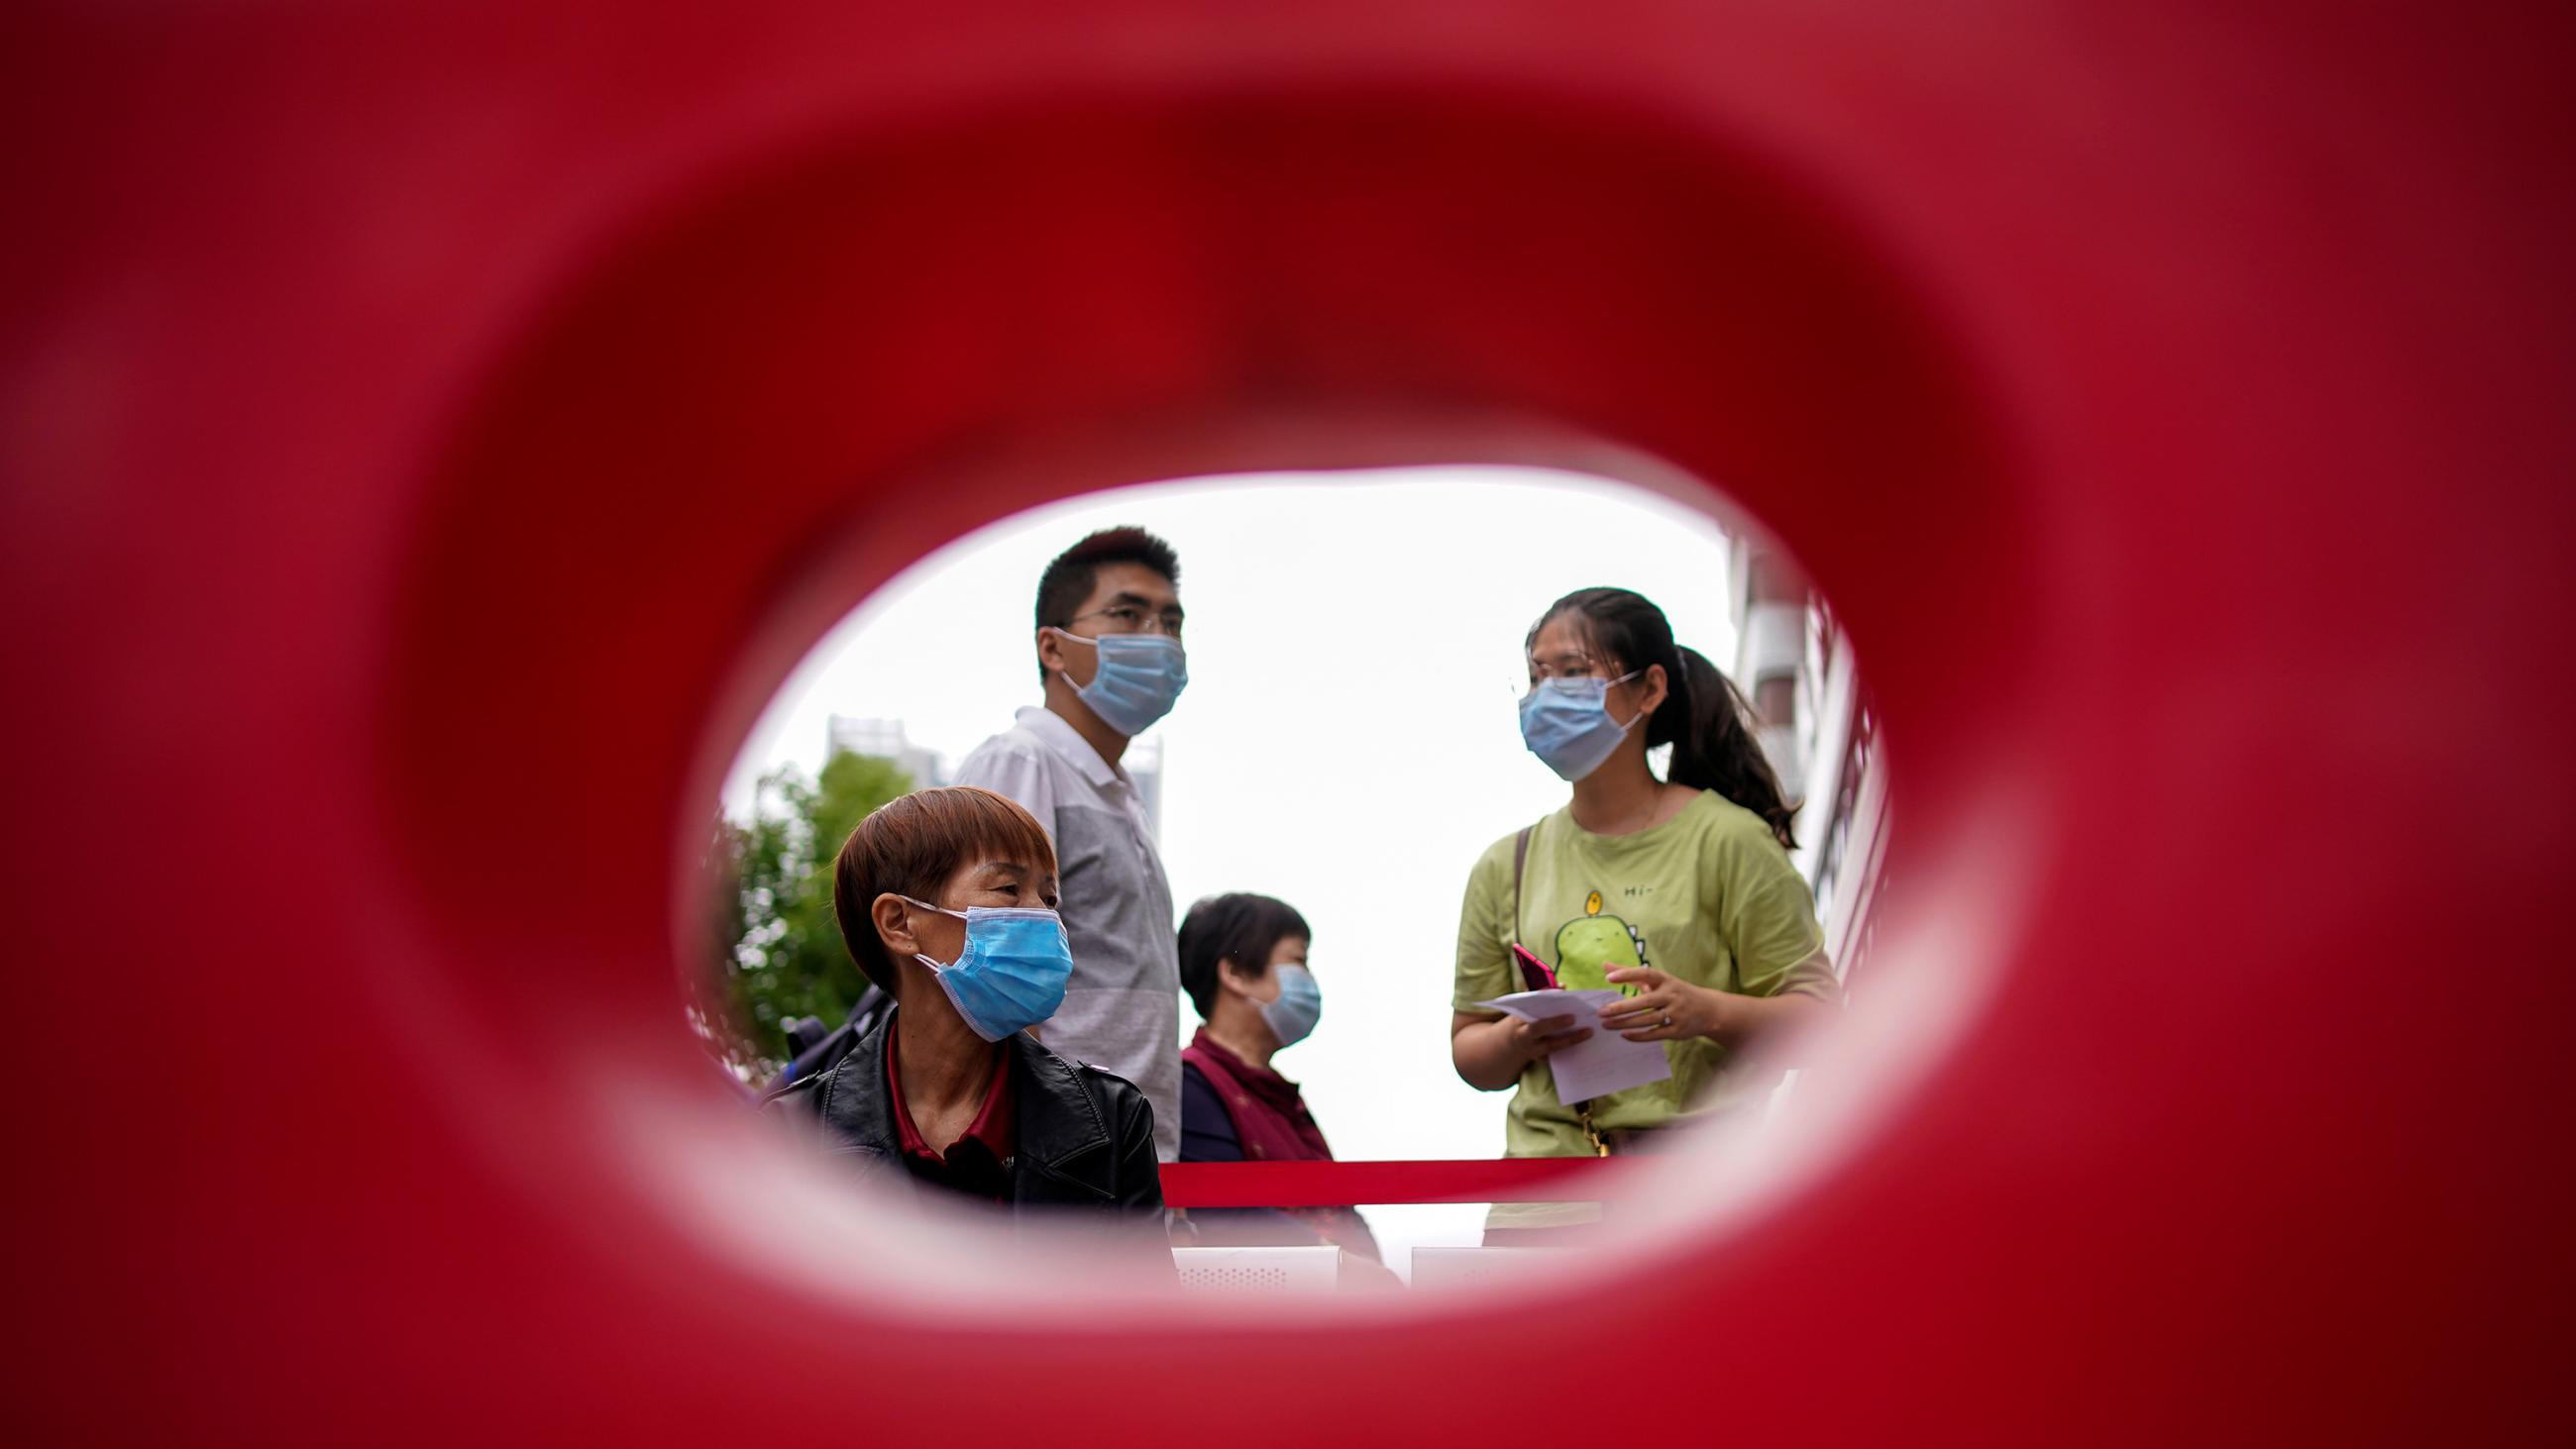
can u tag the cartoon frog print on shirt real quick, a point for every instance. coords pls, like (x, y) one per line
(1593, 945)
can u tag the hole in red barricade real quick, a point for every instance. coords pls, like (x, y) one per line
(1300, 866)
(809, 373)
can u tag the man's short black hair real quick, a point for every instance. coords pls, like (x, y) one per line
(1069, 580)
(1241, 928)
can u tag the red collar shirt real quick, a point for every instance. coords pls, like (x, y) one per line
(979, 1163)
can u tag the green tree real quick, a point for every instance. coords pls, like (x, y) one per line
(777, 952)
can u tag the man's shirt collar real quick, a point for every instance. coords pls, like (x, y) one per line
(1058, 735)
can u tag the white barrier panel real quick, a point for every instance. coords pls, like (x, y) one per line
(1259, 1270)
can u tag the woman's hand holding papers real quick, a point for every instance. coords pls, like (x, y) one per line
(1664, 1009)
(1489, 1052)
(1531, 1040)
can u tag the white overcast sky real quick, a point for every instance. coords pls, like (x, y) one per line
(1348, 742)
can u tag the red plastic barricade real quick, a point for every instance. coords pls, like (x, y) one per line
(1351, 1184)
(429, 430)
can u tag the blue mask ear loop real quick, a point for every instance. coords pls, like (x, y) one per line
(1067, 674)
(943, 910)
(1605, 703)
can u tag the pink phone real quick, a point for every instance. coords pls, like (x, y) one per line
(1535, 975)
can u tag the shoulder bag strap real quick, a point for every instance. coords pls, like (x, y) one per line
(1520, 858)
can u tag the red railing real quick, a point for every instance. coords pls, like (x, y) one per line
(1347, 1184)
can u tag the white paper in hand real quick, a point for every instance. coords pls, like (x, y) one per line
(1606, 1063)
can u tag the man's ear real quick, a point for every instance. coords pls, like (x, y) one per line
(1050, 652)
(894, 924)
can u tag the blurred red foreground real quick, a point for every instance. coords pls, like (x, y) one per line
(429, 430)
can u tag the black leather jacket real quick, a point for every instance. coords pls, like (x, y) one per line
(1084, 1138)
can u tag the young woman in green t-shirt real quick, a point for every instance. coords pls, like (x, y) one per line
(1678, 891)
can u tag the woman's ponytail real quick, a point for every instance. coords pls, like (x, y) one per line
(1708, 724)
(1710, 727)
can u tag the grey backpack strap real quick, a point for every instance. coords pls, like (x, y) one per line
(1520, 857)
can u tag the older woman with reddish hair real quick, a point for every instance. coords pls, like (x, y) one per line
(947, 901)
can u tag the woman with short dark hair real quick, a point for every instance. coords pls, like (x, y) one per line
(1243, 963)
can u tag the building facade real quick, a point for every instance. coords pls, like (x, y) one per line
(1819, 728)
(885, 739)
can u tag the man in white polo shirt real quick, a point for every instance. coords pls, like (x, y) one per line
(1109, 651)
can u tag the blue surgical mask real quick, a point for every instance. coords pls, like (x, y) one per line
(1300, 1005)
(1013, 971)
(1567, 723)
(1140, 677)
